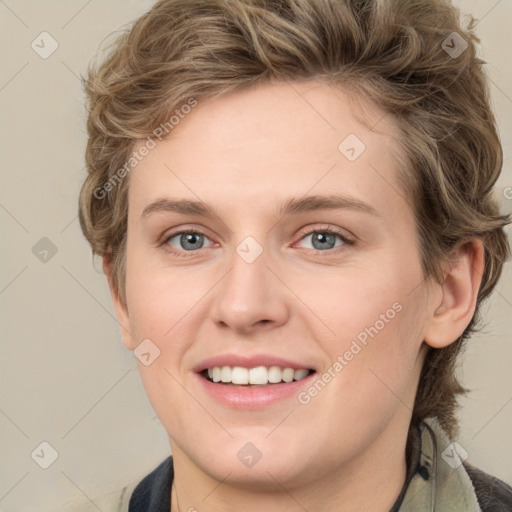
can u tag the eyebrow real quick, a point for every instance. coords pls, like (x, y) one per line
(289, 207)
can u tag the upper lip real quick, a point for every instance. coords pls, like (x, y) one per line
(249, 362)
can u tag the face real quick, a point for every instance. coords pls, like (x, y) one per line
(297, 282)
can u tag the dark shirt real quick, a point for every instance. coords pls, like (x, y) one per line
(153, 493)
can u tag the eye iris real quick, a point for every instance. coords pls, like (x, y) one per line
(188, 239)
(322, 239)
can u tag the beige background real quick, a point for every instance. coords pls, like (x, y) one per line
(65, 377)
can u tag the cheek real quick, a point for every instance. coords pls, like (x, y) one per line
(158, 296)
(358, 303)
(379, 363)
(377, 321)
(166, 306)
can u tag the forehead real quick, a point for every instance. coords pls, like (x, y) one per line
(273, 141)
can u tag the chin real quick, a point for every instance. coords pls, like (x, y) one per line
(257, 465)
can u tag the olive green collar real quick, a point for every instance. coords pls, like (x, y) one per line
(440, 481)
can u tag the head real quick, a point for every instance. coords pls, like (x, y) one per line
(262, 94)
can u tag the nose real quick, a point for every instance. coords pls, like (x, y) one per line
(251, 297)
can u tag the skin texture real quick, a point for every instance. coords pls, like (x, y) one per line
(244, 154)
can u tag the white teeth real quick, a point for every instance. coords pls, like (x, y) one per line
(240, 375)
(274, 374)
(260, 375)
(225, 374)
(299, 374)
(288, 374)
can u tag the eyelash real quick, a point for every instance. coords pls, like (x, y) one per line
(331, 231)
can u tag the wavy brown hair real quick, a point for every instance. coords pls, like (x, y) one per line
(389, 51)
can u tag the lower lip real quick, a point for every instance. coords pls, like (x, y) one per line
(253, 397)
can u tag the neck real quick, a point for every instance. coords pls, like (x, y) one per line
(371, 483)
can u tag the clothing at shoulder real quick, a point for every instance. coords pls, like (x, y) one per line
(493, 494)
(153, 493)
(436, 480)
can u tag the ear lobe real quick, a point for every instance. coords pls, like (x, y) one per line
(460, 287)
(121, 309)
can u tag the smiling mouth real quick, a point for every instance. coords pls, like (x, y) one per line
(257, 376)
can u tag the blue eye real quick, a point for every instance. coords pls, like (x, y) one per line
(326, 239)
(187, 240)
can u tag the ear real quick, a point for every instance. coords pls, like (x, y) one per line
(459, 291)
(121, 309)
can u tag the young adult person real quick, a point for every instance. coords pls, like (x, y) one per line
(294, 204)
